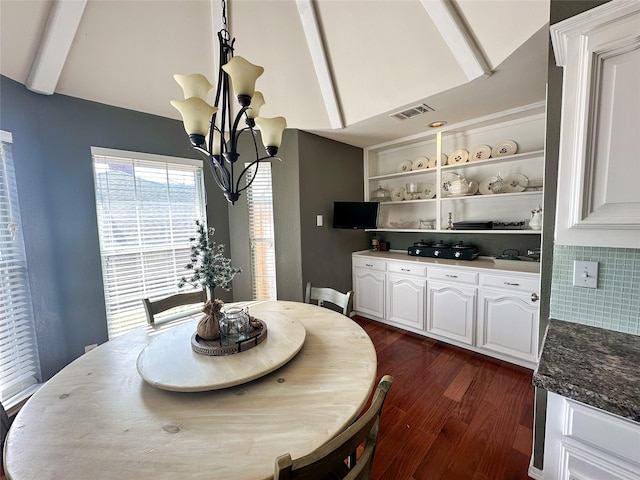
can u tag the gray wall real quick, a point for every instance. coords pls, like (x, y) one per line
(52, 136)
(329, 171)
(313, 173)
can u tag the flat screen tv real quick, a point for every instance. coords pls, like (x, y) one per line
(355, 215)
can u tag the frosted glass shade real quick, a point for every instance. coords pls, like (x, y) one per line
(196, 115)
(243, 75)
(194, 85)
(271, 130)
(257, 101)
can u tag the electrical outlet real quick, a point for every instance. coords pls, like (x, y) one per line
(585, 274)
(318, 220)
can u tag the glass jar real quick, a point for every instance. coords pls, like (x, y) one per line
(234, 325)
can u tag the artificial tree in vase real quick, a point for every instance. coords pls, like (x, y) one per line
(209, 269)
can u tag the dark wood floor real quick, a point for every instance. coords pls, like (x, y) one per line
(451, 413)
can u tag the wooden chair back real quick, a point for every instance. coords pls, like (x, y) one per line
(177, 300)
(325, 294)
(335, 458)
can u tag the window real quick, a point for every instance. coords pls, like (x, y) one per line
(19, 363)
(261, 233)
(147, 206)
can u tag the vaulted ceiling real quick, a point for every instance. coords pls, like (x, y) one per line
(338, 68)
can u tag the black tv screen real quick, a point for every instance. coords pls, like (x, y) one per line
(355, 215)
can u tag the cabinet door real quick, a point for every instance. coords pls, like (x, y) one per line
(369, 292)
(508, 323)
(451, 311)
(405, 300)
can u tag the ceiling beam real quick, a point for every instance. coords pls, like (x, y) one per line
(320, 62)
(457, 36)
(55, 44)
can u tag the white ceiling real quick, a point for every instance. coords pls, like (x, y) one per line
(381, 55)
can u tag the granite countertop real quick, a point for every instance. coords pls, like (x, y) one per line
(592, 365)
(481, 262)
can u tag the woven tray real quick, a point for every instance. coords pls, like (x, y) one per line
(214, 347)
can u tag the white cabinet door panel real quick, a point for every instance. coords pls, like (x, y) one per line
(451, 311)
(369, 292)
(405, 300)
(508, 323)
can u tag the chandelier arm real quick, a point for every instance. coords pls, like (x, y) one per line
(238, 189)
(223, 182)
(235, 134)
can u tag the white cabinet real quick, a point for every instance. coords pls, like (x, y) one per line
(384, 168)
(598, 197)
(451, 311)
(369, 280)
(582, 442)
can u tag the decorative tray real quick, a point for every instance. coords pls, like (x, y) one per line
(216, 347)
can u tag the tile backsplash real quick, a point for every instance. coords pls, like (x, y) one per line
(614, 305)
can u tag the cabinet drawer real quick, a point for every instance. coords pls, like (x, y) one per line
(506, 282)
(408, 268)
(452, 275)
(601, 429)
(370, 263)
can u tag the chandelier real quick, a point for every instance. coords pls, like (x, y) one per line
(214, 131)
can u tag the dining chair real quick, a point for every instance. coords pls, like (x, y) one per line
(335, 459)
(326, 294)
(4, 429)
(152, 308)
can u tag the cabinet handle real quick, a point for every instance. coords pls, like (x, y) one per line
(534, 297)
(405, 269)
(368, 265)
(451, 276)
(512, 284)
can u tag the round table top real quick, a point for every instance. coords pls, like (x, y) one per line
(97, 418)
(169, 361)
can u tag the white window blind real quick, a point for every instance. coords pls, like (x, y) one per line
(19, 363)
(261, 233)
(147, 206)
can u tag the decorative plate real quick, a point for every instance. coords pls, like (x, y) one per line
(433, 161)
(458, 156)
(447, 178)
(481, 152)
(503, 148)
(515, 182)
(485, 185)
(428, 192)
(404, 166)
(420, 163)
(397, 194)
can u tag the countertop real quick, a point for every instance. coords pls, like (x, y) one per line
(592, 365)
(480, 262)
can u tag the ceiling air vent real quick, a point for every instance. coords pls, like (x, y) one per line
(412, 112)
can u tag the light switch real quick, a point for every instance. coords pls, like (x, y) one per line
(318, 220)
(585, 274)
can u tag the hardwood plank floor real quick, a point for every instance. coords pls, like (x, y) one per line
(451, 413)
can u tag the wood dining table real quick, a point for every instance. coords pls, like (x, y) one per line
(98, 418)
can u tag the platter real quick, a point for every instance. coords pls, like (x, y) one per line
(515, 183)
(481, 152)
(458, 156)
(397, 194)
(433, 161)
(404, 166)
(428, 192)
(420, 163)
(504, 148)
(485, 185)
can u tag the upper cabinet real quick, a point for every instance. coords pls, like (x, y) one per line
(599, 166)
(483, 175)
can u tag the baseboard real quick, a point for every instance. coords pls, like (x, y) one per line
(534, 472)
